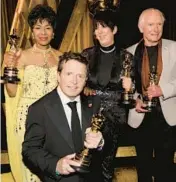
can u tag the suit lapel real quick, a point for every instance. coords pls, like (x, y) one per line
(56, 112)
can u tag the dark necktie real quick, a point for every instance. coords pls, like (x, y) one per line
(75, 127)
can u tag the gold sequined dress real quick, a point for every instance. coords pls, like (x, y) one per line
(36, 81)
(35, 85)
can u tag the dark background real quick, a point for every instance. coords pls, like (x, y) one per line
(127, 19)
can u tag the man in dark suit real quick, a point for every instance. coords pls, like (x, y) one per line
(49, 145)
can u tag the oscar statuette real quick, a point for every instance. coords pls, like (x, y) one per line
(10, 72)
(153, 78)
(84, 156)
(127, 95)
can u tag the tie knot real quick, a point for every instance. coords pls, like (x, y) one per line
(72, 105)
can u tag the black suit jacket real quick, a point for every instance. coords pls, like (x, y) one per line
(48, 137)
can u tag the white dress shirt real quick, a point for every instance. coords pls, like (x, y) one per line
(65, 100)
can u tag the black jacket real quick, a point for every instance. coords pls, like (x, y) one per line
(48, 137)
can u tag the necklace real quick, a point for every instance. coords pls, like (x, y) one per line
(107, 51)
(45, 65)
(42, 51)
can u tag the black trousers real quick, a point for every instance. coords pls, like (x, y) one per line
(155, 147)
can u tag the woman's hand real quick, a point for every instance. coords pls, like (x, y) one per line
(126, 83)
(88, 91)
(11, 59)
(93, 139)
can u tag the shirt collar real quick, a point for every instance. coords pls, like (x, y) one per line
(65, 99)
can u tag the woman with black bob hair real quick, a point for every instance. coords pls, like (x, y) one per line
(105, 80)
(38, 76)
(41, 13)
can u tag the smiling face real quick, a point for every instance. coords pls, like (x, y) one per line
(151, 25)
(105, 35)
(42, 33)
(72, 78)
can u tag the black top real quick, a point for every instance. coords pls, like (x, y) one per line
(153, 56)
(105, 78)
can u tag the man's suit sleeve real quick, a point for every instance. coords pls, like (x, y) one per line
(169, 88)
(35, 157)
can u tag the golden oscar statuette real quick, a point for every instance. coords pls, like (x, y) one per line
(153, 78)
(127, 95)
(11, 73)
(84, 156)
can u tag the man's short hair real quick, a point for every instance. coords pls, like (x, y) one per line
(72, 56)
(143, 14)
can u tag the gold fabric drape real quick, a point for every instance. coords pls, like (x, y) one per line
(4, 28)
(6, 19)
(84, 35)
(20, 20)
(78, 35)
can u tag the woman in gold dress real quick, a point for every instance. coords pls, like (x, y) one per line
(38, 74)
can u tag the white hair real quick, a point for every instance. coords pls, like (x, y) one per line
(144, 13)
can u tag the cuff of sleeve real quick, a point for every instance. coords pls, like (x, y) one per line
(57, 173)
